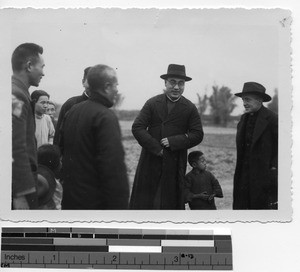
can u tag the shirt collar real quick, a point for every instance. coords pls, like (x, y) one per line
(173, 101)
(101, 98)
(85, 93)
(255, 113)
(197, 171)
(38, 116)
(18, 80)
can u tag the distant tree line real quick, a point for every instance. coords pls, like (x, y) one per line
(215, 109)
(220, 103)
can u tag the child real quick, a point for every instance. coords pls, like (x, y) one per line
(49, 188)
(201, 187)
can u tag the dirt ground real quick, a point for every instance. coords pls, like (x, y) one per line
(218, 146)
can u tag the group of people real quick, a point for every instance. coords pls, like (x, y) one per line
(79, 162)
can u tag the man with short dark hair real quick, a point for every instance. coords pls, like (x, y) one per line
(27, 65)
(166, 127)
(69, 104)
(255, 178)
(94, 171)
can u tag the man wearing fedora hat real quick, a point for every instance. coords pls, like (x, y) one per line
(166, 127)
(255, 178)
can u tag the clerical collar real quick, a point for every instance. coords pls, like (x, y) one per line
(85, 93)
(197, 171)
(173, 100)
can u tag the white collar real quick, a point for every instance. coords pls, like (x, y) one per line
(39, 116)
(86, 94)
(173, 100)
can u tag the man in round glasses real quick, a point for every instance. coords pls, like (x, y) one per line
(166, 127)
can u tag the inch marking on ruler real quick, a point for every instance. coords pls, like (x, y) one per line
(144, 249)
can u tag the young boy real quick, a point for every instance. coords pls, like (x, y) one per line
(49, 188)
(201, 187)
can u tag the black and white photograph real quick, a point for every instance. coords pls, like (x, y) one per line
(148, 114)
(154, 116)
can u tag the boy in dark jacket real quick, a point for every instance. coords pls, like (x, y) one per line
(201, 187)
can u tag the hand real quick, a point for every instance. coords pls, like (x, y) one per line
(165, 142)
(211, 198)
(273, 205)
(20, 203)
(161, 153)
(203, 196)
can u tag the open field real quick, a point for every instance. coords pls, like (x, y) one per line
(218, 146)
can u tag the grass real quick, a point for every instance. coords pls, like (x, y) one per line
(218, 146)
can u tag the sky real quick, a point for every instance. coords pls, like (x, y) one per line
(218, 47)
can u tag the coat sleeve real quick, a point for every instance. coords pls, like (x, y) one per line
(217, 190)
(59, 125)
(192, 137)
(140, 130)
(57, 134)
(274, 127)
(23, 181)
(110, 162)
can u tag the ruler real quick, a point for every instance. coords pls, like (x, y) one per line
(103, 248)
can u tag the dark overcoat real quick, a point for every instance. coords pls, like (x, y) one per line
(63, 110)
(159, 181)
(94, 170)
(263, 157)
(24, 150)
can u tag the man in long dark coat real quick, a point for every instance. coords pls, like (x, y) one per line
(69, 104)
(255, 178)
(94, 172)
(166, 127)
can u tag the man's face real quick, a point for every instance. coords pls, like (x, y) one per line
(174, 87)
(85, 83)
(35, 71)
(112, 88)
(41, 105)
(251, 103)
(50, 110)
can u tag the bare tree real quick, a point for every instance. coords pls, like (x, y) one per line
(222, 103)
(202, 103)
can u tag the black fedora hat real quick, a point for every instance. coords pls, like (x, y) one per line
(254, 88)
(176, 70)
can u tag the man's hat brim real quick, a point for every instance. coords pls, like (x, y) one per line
(166, 76)
(264, 96)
